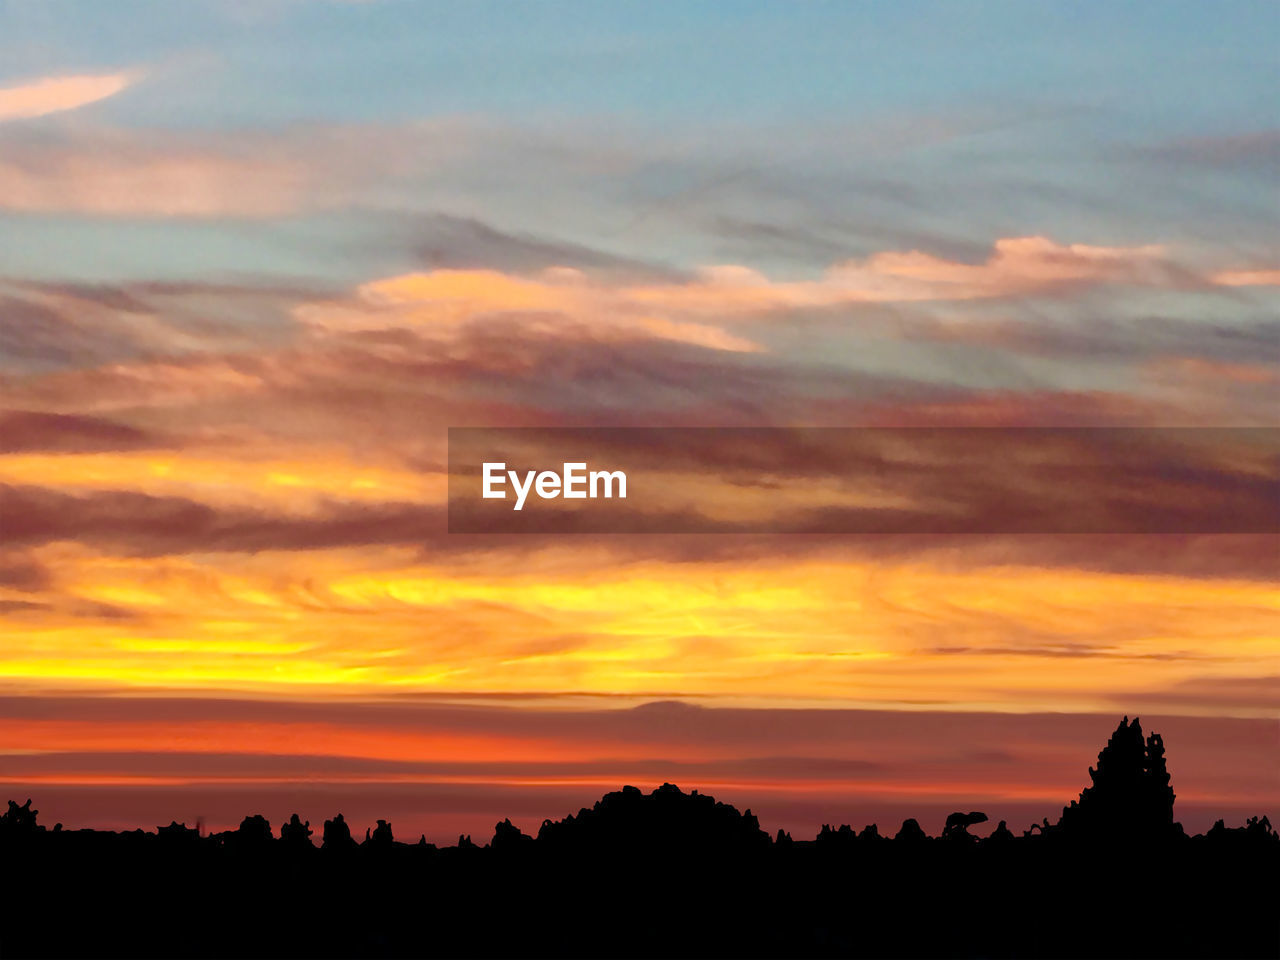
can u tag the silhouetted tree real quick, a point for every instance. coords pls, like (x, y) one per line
(667, 819)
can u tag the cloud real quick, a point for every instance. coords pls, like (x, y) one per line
(891, 481)
(1259, 149)
(38, 98)
(1096, 339)
(560, 301)
(1260, 692)
(569, 301)
(26, 430)
(247, 174)
(446, 242)
(23, 573)
(1259, 277)
(141, 525)
(118, 178)
(1017, 266)
(56, 326)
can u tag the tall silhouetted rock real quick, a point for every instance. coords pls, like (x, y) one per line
(255, 831)
(1130, 796)
(19, 821)
(507, 837)
(829, 836)
(381, 837)
(911, 832)
(337, 835)
(296, 834)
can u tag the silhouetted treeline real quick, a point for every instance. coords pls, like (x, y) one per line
(663, 874)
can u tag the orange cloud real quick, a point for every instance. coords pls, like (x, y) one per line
(56, 94)
(556, 302)
(1247, 278)
(1016, 266)
(564, 300)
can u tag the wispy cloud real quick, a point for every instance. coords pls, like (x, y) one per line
(156, 173)
(1261, 277)
(120, 177)
(37, 98)
(441, 302)
(559, 301)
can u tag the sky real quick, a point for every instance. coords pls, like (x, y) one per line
(257, 257)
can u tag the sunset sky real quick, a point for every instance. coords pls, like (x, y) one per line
(257, 257)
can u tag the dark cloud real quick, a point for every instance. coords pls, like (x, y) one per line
(46, 326)
(1110, 340)
(443, 242)
(40, 336)
(21, 572)
(22, 606)
(1258, 692)
(141, 525)
(135, 524)
(24, 431)
(1257, 150)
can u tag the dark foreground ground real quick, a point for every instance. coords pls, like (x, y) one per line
(665, 874)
